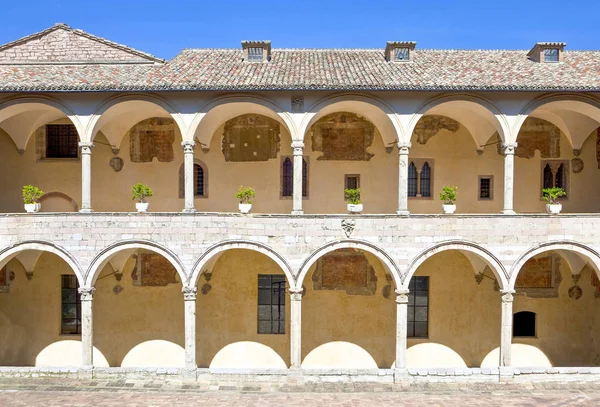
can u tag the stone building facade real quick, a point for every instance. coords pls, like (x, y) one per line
(299, 288)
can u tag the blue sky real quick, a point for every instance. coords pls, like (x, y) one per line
(164, 27)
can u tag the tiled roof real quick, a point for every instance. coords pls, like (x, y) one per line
(313, 69)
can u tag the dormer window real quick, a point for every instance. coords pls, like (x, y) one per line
(551, 55)
(547, 52)
(256, 51)
(399, 51)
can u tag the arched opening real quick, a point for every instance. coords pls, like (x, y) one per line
(39, 143)
(348, 309)
(555, 303)
(138, 306)
(243, 315)
(40, 314)
(454, 143)
(454, 294)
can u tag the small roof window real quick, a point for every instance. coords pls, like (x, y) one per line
(256, 51)
(399, 51)
(547, 52)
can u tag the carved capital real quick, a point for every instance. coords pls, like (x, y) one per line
(507, 295)
(189, 293)
(296, 295)
(86, 147)
(509, 148)
(404, 147)
(188, 147)
(298, 147)
(402, 296)
(86, 293)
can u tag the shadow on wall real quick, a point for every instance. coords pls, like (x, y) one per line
(339, 355)
(67, 353)
(521, 356)
(155, 353)
(247, 355)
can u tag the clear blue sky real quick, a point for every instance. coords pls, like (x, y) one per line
(165, 27)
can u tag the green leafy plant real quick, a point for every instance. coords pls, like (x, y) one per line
(141, 192)
(31, 194)
(353, 196)
(245, 194)
(551, 195)
(448, 195)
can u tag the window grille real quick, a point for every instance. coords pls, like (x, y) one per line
(551, 55)
(255, 54)
(412, 179)
(271, 304)
(288, 177)
(62, 141)
(198, 180)
(418, 307)
(485, 188)
(426, 180)
(71, 305)
(560, 179)
(401, 54)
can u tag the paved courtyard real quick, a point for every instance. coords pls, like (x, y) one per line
(63, 393)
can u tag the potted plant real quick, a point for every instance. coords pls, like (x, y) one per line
(354, 202)
(551, 196)
(141, 192)
(31, 195)
(448, 196)
(245, 195)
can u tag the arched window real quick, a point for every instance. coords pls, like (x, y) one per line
(287, 177)
(524, 324)
(426, 180)
(412, 179)
(548, 178)
(560, 177)
(200, 180)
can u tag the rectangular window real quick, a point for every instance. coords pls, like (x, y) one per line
(62, 141)
(271, 304)
(255, 54)
(401, 54)
(71, 305)
(351, 181)
(418, 307)
(485, 187)
(551, 55)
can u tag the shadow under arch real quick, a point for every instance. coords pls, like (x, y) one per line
(210, 116)
(42, 246)
(102, 258)
(375, 110)
(563, 248)
(486, 120)
(60, 195)
(466, 248)
(214, 251)
(379, 253)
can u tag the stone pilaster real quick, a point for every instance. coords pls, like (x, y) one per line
(403, 150)
(298, 147)
(189, 299)
(401, 328)
(296, 329)
(188, 175)
(87, 326)
(86, 176)
(506, 332)
(509, 175)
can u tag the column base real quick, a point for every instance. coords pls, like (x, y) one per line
(403, 212)
(509, 212)
(300, 212)
(86, 210)
(189, 210)
(401, 376)
(507, 373)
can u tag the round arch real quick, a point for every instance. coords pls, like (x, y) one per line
(43, 246)
(212, 115)
(585, 252)
(466, 248)
(575, 115)
(381, 254)
(117, 115)
(481, 125)
(378, 112)
(219, 248)
(105, 255)
(60, 195)
(36, 111)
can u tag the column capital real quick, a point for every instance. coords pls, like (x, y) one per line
(509, 148)
(507, 295)
(298, 147)
(404, 147)
(86, 293)
(86, 147)
(402, 296)
(296, 295)
(189, 293)
(188, 146)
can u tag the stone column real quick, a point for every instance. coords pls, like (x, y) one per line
(298, 147)
(506, 332)
(87, 327)
(403, 149)
(189, 299)
(86, 176)
(188, 175)
(401, 327)
(296, 329)
(509, 175)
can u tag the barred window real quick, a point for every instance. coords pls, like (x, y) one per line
(485, 187)
(198, 180)
(524, 324)
(71, 305)
(401, 54)
(271, 304)
(351, 181)
(418, 307)
(287, 177)
(560, 179)
(555, 173)
(62, 141)
(551, 55)
(412, 179)
(420, 178)
(426, 180)
(255, 54)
